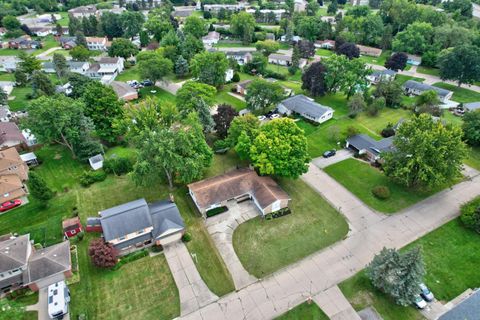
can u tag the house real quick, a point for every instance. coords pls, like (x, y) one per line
(96, 162)
(467, 309)
(414, 60)
(106, 69)
(329, 19)
(137, 224)
(83, 11)
(229, 7)
(68, 43)
(363, 144)
(24, 42)
(299, 5)
(242, 57)
(5, 114)
(211, 38)
(229, 75)
(294, 38)
(241, 87)
(280, 59)
(41, 31)
(71, 227)
(48, 18)
(415, 88)
(325, 44)
(21, 265)
(359, 2)
(472, 106)
(277, 12)
(369, 51)
(183, 12)
(97, 43)
(11, 188)
(124, 91)
(80, 67)
(379, 75)
(8, 63)
(12, 163)
(11, 136)
(7, 86)
(238, 185)
(270, 36)
(306, 108)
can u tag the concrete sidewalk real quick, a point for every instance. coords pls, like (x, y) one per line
(335, 305)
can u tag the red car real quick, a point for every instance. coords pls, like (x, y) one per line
(10, 205)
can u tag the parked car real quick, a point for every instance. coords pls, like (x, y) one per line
(147, 83)
(329, 153)
(426, 293)
(419, 302)
(10, 205)
(261, 118)
(274, 116)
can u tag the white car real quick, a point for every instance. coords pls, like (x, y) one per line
(261, 118)
(58, 300)
(419, 302)
(275, 116)
(426, 293)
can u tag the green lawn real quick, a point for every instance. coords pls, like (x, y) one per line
(284, 70)
(473, 158)
(131, 73)
(428, 70)
(359, 178)
(451, 259)
(462, 95)
(222, 97)
(401, 78)
(64, 21)
(324, 52)
(304, 311)
(380, 121)
(20, 101)
(264, 246)
(7, 76)
(222, 44)
(380, 61)
(159, 94)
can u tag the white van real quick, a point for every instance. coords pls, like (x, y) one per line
(58, 299)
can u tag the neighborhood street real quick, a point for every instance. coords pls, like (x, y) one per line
(370, 232)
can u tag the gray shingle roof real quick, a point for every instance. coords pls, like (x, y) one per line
(364, 142)
(411, 84)
(468, 309)
(472, 106)
(301, 104)
(165, 216)
(48, 262)
(14, 252)
(125, 219)
(383, 72)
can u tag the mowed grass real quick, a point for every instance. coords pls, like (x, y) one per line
(462, 95)
(401, 78)
(473, 158)
(359, 178)
(131, 73)
(380, 61)
(265, 246)
(429, 71)
(20, 101)
(451, 260)
(4, 76)
(157, 93)
(304, 311)
(324, 52)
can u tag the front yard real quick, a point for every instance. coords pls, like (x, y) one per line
(451, 259)
(264, 246)
(462, 95)
(359, 178)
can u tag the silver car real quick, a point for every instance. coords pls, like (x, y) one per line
(426, 293)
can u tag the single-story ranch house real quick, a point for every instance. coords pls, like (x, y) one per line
(137, 224)
(416, 88)
(364, 144)
(369, 51)
(305, 107)
(238, 185)
(379, 75)
(468, 308)
(472, 106)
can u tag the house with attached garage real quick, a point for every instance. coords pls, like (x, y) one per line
(414, 88)
(238, 185)
(325, 44)
(138, 224)
(306, 108)
(371, 148)
(242, 57)
(211, 38)
(80, 67)
(369, 51)
(97, 43)
(379, 75)
(285, 60)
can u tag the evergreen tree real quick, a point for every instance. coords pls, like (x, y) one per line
(60, 64)
(181, 67)
(20, 77)
(38, 187)
(204, 115)
(80, 39)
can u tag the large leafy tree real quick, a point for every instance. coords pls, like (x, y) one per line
(461, 64)
(158, 23)
(132, 23)
(223, 118)
(152, 65)
(280, 149)
(60, 65)
(111, 25)
(28, 63)
(190, 46)
(210, 68)
(242, 25)
(257, 65)
(428, 102)
(313, 79)
(248, 124)
(195, 26)
(59, 119)
(416, 38)
(80, 53)
(390, 90)
(263, 95)
(308, 27)
(345, 75)
(348, 49)
(102, 254)
(471, 128)
(104, 108)
(41, 84)
(191, 92)
(427, 153)
(397, 275)
(122, 47)
(267, 47)
(397, 61)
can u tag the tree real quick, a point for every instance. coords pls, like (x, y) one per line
(28, 63)
(280, 149)
(223, 118)
(190, 47)
(345, 75)
(375, 106)
(131, 23)
(111, 25)
(104, 108)
(204, 115)
(242, 25)
(461, 64)
(41, 84)
(152, 65)
(471, 127)
(158, 24)
(210, 68)
(428, 102)
(102, 254)
(248, 124)
(144, 39)
(181, 67)
(308, 27)
(306, 48)
(74, 25)
(58, 120)
(195, 26)
(463, 7)
(397, 275)
(313, 79)
(397, 61)
(427, 153)
(312, 8)
(80, 39)
(11, 23)
(263, 95)
(60, 65)
(79, 83)
(257, 65)
(348, 49)
(122, 48)
(356, 104)
(190, 93)
(415, 39)
(38, 187)
(332, 7)
(21, 78)
(391, 91)
(267, 47)
(80, 53)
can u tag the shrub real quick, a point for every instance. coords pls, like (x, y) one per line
(103, 255)
(130, 258)
(351, 131)
(388, 131)
(38, 187)
(118, 166)
(235, 78)
(221, 144)
(381, 192)
(80, 236)
(215, 211)
(187, 237)
(471, 214)
(90, 177)
(275, 75)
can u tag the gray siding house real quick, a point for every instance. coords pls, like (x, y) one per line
(415, 88)
(305, 107)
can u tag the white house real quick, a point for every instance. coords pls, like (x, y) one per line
(97, 43)
(8, 63)
(305, 107)
(277, 12)
(285, 60)
(415, 88)
(229, 75)
(299, 5)
(325, 44)
(379, 75)
(106, 69)
(211, 38)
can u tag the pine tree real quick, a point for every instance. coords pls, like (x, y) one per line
(38, 187)
(204, 115)
(412, 273)
(20, 77)
(181, 67)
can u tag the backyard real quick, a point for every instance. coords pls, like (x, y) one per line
(264, 246)
(450, 247)
(359, 178)
(304, 311)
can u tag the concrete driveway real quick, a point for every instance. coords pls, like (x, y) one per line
(42, 306)
(341, 155)
(221, 228)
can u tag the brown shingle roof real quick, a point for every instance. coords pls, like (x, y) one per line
(237, 183)
(8, 158)
(10, 183)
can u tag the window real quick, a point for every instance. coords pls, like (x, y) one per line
(122, 238)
